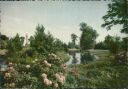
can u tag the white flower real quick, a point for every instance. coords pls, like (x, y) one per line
(57, 76)
(53, 55)
(7, 75)
(46, 63)
(10, 64)
(11, 69)
(12, 85)
(49, 64)
(28, 66)
(56, 85)
(35, 59)
(44, 75)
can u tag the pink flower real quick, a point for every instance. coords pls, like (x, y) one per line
(64, 66)
(60, 78)
(47, 82)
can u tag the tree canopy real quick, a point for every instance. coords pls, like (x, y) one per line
(88, 36)
(117, 14)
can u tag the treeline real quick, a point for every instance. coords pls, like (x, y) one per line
(113, 43)
(40, 44)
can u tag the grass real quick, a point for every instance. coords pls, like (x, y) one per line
(104, 73)
(101, 54)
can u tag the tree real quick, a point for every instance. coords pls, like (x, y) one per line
(113, 44)
(60, 46)
(74, 38)
(3, 41)
(117, 14)
(41, 42)
(88, 36)
(101, 45)
(15, 45)
(70, 45)
(44, 43)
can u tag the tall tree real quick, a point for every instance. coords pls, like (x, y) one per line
(74, 38)
(113, 44)
(15, 45)
(117, 14)
(88, 36)
(41, 42)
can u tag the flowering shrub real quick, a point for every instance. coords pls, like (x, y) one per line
(45, 73)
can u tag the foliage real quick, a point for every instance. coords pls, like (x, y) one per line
(38, 74)
(113, 44)
(41, 42)
(106, 73)
(88, 36)
(63, 55)
(15, 45)
(117, 14)
(60, 46)
(74, 38)
(44, 44)
(86, 57)
(70, 45)
(101, 45)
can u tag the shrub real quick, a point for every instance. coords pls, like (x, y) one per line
(48, 72)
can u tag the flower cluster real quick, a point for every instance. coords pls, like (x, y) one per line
(9, 75)
(64, 66)
(28, 66)
(46, 80)
(25, 74)
(10, 69)
(47, 64)
(60, 77)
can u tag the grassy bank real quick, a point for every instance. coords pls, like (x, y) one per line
(104, 73)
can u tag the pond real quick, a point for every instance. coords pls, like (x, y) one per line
(75, 58)
(78, 57)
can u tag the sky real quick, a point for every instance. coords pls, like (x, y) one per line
(60, 18)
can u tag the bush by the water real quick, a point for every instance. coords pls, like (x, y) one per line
(86, 57)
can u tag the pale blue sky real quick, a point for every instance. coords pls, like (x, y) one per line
(61, 18)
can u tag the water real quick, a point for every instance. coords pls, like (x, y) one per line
(75, 58)
(78, 58)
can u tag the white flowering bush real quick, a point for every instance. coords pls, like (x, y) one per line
(46, 73)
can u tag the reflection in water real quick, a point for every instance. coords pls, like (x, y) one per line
(74, 58)
(77, 58)
(86, 57)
